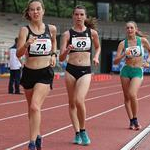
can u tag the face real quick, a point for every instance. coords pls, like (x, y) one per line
(36, 11)
(131, 29)
(79, 16)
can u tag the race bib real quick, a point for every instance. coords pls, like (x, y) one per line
(133, 51)
(41, 47)
(81, 43)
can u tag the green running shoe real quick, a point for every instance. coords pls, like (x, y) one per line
(77, 139)
(85, 138)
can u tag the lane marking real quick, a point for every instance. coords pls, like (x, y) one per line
(70, 125)
(137, 139)
(55, 95)
(59, 106)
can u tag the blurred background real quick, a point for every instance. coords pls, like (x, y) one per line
(111, 14)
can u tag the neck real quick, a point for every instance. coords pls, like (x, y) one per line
(79, 27)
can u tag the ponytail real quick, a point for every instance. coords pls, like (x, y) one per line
(91, 23)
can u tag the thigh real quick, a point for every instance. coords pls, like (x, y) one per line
(40, 91)
(70, 84)
(135, 84)
(82, 86)
(125, 85)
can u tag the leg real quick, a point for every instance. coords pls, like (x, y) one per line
(11, 82)
(133, 90)
(125, 86)
(35, 99)
(70, 84)
(40, 91)
(17, 81)
(81, 90)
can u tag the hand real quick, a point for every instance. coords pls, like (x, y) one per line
(146, 64)
(53, 61)
(95, 61)
(30, 41)
(69, 48)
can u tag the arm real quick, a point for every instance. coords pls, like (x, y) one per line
(146, 45)
(119, 54)
(53, 30)
(97, 46)
(22, 44)
(64, 50)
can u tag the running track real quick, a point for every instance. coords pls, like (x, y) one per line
(106, 121)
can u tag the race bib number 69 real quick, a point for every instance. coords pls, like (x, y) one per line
(81, 43)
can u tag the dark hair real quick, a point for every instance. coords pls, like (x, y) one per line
(138, 32)
(25, 12)
(89, 22)
(16, 40)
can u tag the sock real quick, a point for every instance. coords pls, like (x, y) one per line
(38, 137)
(82, 130)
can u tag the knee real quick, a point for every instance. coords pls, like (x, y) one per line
(72, 104)
(34, 107)
(132, 96)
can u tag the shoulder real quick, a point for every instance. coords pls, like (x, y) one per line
(122, 44)
(143, 39)
(66, 33)
(93, 32)
(52, 28)
(24, 31)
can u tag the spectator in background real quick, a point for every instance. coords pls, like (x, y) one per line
(131, 75)
(15, 70)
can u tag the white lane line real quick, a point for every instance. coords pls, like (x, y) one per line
(56, 95)
(70, 125)
(137, 139)
(59, 106)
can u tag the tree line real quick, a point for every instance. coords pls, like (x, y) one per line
(63, 9)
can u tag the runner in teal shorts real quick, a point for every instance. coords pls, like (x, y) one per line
(132, 50)
(131, 72)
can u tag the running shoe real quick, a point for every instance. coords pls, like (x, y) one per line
(31, 146)
(137, 125)
(131, 126)
(85, 138)
(38, 143)
(77, 139)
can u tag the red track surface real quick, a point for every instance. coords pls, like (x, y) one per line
(107, 122)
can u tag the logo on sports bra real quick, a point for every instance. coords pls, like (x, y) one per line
(81, 43)
(41, 47)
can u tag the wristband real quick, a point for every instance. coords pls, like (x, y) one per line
(53, 53)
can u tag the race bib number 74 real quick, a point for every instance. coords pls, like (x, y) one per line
(41, 47)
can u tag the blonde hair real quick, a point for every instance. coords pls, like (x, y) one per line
(138, 32)
(25, 12)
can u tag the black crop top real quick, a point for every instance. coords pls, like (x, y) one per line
(42, 45)
(81, 41)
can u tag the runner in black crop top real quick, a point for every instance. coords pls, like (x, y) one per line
(81, 41)
(42, 45)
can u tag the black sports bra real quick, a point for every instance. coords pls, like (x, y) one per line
(81, 41)
(42, 45)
